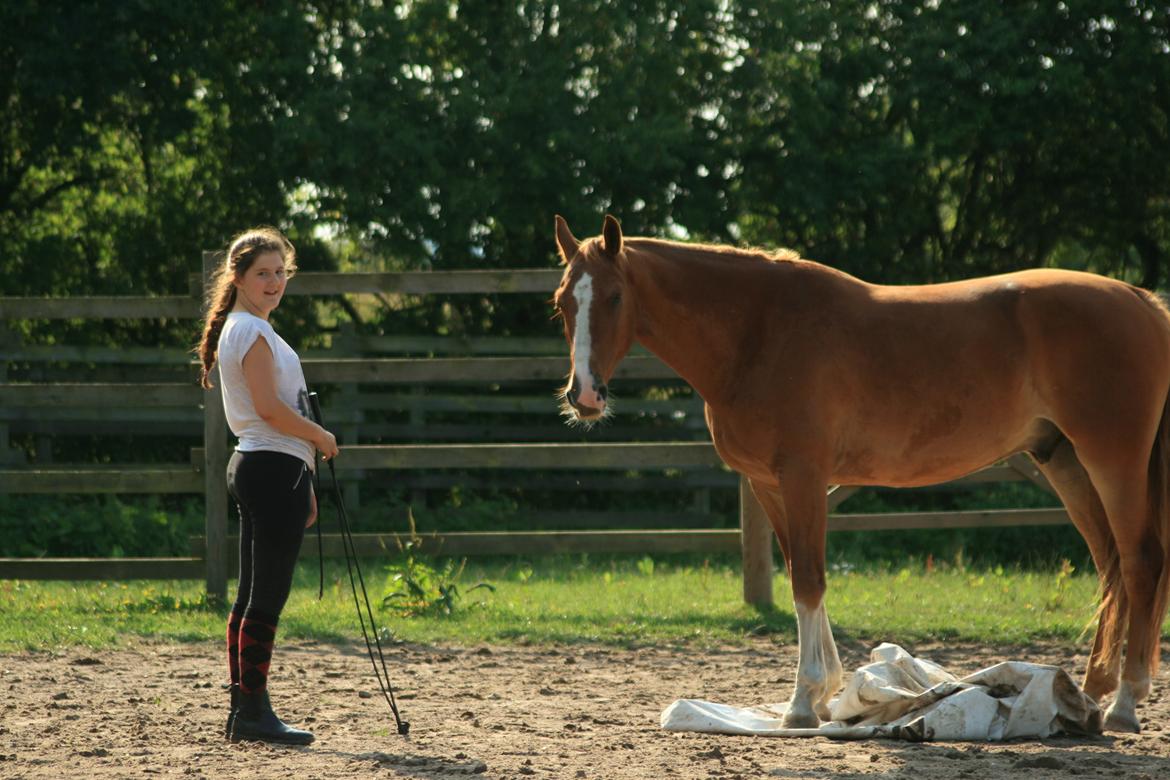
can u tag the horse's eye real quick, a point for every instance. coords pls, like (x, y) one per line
(615, 299)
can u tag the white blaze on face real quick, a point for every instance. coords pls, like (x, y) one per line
(582, 343)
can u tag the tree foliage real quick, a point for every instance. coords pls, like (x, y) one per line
(902, 140)
(914, 140)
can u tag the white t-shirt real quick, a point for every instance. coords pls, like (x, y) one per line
(238, 336)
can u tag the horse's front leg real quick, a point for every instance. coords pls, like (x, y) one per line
(799, 514)
(819, 672)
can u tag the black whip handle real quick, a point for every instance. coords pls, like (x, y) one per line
(315, 407)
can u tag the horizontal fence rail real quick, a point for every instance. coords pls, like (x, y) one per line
(470, 544)
(150, 356)
(709, 541)
(102, 568)
(307, 283)
(162, 307)
(462, 370)
(539, 280)
(124, 479)
(636, 455)
(400, 371)
(96, 394)
(187, 479)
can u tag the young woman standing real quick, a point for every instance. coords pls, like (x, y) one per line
(269, 474)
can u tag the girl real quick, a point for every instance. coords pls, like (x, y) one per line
(269, 475)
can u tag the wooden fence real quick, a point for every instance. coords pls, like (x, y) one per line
(169, 402)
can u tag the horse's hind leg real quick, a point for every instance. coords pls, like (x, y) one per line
(1068, 477)
(1124, 494)
(799, 514)
(1141, 568)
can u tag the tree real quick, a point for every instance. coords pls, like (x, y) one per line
(134, 136)
(910, 140)
(446, 136)
(904, 140)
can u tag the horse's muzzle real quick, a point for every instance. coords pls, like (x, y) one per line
(587, 403)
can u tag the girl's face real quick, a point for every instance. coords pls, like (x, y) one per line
(261, 287)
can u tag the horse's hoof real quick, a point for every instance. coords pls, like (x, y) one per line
(801, 720)
(1125, 722)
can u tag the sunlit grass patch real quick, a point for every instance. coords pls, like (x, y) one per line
(622, 600)
(36, 615)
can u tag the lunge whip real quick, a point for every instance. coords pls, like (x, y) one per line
(351, 565)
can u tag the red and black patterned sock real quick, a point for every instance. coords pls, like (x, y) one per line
(257, 633)
(233, 644)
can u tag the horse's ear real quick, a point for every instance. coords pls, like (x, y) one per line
(566, 243)
(611, 232)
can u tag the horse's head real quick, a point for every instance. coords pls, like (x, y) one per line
(596, 304)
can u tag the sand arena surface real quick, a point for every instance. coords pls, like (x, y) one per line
(158, 710)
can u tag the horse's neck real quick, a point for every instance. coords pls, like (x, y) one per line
(692, 313)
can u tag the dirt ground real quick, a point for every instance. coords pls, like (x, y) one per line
(496, 712)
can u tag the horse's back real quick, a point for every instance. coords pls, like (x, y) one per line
(1045, 308)
(945, 378)
(1093, 352)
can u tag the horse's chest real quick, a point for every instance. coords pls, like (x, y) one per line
(748, 445)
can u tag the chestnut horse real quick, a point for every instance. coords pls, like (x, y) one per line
(813, 378)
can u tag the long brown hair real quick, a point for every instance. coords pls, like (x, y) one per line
(221, 290)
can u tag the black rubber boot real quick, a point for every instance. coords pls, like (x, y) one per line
(235, 692)
(256, 720)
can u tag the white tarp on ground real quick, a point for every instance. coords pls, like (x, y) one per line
(898, 696)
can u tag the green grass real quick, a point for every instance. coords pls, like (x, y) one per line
(619, 600)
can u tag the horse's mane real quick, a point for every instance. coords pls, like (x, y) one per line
(717, 251)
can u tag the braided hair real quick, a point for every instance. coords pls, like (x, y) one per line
(221, 289)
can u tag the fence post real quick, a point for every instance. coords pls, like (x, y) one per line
(215, 473)
(6, 453)
(756, 547)
(9, 338)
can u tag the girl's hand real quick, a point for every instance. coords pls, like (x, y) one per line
(326, 442)
(312, 507)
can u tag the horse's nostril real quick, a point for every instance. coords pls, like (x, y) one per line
(603, 392)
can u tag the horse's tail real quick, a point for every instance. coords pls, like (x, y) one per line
(1159, 487)
(1112, 615)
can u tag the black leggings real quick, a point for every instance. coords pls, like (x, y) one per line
(272, 492)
